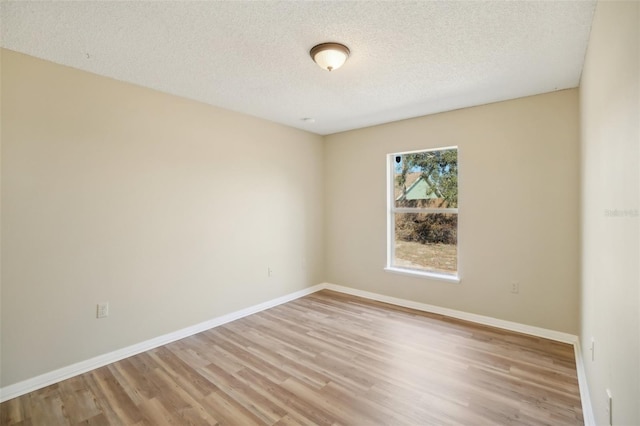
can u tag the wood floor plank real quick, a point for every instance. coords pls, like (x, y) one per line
(315, 413)
(116, 395)
(325, 359)
(78, 402)
(229, 411)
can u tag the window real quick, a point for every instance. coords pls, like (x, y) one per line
(423, 213)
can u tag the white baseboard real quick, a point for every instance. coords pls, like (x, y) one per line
(38, 382)
(587, 408)
(479, 319)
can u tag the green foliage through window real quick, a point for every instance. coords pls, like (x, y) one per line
(438, 172)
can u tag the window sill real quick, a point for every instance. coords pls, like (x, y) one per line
(423, 274)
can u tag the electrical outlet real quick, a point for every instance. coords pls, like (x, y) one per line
(269, 272)
(515, 287)
(610, 407)
(592, 348)
(102, 310)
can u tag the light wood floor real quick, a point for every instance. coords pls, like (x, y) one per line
(324, 359)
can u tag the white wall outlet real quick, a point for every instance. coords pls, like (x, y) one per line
(102, 310)
(269, 272)
(609, 407)
(515, 287)
(592, 348)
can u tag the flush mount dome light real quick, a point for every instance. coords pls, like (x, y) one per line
(330, 56)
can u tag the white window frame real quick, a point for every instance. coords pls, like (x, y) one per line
(392, 210)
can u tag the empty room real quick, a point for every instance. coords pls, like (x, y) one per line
(320, 213)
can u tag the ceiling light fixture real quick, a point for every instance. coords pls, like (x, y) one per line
(330, 56)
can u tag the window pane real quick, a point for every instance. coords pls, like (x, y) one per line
(427, 242)
(426, 179)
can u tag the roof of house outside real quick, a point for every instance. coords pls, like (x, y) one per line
(417, 188)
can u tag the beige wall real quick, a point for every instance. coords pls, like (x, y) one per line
(518, 220)
(610, 117)
(1, 59)
(168, 209)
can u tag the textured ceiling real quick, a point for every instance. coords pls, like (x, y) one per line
(407, 58)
